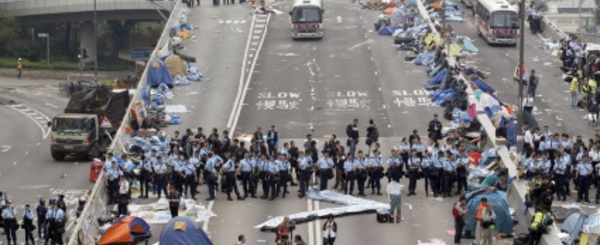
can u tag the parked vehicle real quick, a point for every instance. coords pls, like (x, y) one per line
(92, 118)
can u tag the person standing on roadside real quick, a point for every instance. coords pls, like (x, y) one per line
(372, 134)
(330, 229)
(394, 195)
(352, 133)
(434, 129)
(272, 140)
(19, 67)
(9, 216)
(28, 218)
(173, 197)
(574, 89)
(534, 80)
(459, 212)
(41, 211)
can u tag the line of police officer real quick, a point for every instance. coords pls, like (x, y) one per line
(195, 156)
(51, 221)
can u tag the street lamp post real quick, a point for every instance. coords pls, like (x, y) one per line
(521, 73)
(95, 43)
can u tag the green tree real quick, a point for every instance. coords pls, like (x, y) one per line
(8, 33)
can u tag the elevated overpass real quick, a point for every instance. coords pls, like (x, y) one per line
(57, 11)
(53, 11)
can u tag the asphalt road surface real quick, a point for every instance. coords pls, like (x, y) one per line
(318, 87)
(28, 171)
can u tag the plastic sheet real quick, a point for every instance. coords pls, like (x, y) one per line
(354, 205)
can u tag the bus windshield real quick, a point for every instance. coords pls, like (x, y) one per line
(306, 15)
(504, 19)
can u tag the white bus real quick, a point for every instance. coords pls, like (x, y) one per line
(497, 22)
(306, 19)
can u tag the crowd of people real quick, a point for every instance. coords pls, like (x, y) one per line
(266, 166)
(581, 68)
(51, 220)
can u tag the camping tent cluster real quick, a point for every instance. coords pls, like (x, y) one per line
(499, 202)
(132, 230)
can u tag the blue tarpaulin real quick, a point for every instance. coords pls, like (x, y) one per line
(482, 85)
(511, 132)
(503, 222)
(384, 31)
(438, 78)
(183, 231)
(468, 46)
(158, 73)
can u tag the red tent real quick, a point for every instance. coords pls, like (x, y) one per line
(128, 230)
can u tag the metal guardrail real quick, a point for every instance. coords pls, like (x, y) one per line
(86, 230)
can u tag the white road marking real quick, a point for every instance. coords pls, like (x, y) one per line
(241, 82)
(221, 21)
(248, 79)
(243, 22)
(228, 22)
(236, 22)
(339, 19)
(38, 117)
(311, 234)
(5, 148)
(51, 105)
(318, 222)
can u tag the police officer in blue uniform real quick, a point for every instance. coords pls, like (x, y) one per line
(273, 170)
(9, 215)
(160, 176)
(41, 211)
(265, 175)
(437, 172)
(350, 171)
(144, 177)
(325, 165)
(176, 161)
(304, 166)
(414, 162)
(284, 172)
(584, 169)
(560, 170)
(360, 169)
(211, 175)
(395, 165)
(28, 217)
(426, 167)
(449, 173)
(246, 172)
(113, 174)
(228, 171)
(189, 174)
(462, 161)
(376, 172)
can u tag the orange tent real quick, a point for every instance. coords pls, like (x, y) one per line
(436, 5)
(127, 230)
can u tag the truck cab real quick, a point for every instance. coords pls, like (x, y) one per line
(89, 124)
(75, 134)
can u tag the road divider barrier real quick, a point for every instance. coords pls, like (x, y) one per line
(88, 225)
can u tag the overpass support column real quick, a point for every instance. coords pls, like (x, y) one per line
(86, 35)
